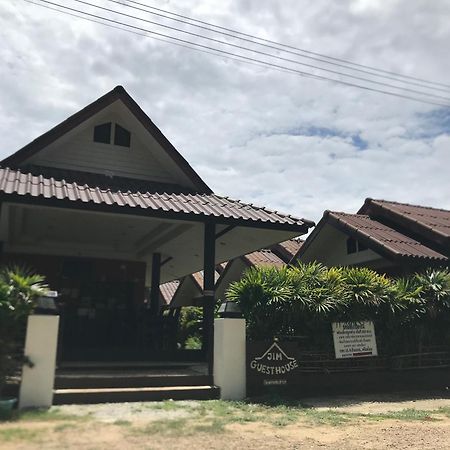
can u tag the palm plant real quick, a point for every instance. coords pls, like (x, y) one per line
(434, 320)
(405, 299)
(264, 296)
(435, 291)
(19, 288)
(366, 290)
(305, 299)
(319, 292)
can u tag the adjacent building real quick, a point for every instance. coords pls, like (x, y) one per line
(188, 291)
(390, 237)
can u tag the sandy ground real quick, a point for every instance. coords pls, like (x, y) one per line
(373, 404)
(123, 426)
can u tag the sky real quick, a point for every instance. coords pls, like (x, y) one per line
(291, 143)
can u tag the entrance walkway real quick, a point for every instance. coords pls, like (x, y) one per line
(127, 382)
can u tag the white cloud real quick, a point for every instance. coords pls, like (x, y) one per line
(262, 136)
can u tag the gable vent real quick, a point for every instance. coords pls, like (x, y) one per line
(122, 137)
(103, 135)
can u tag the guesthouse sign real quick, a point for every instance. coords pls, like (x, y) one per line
(354, 339)
(272, 365)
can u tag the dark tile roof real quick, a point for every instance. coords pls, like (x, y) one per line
(102, 181)
(433, 223)
(287, 250)
(207, 205)
(381, 237)
(263, 258)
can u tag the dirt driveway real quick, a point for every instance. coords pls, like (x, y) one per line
(338, 423)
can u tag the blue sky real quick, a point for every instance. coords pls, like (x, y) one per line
(294, 144)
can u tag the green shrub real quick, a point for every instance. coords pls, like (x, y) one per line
(19, 289)
(305, 299)
(190, 327)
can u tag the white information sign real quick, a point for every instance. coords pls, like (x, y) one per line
(354, 339)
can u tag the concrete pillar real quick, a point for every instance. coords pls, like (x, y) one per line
(229, 358)
(36, 389)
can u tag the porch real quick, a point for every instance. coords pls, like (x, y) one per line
(107, 257)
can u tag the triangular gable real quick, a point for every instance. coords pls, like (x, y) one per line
(69, 145)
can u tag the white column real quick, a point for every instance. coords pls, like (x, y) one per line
(36, 389)
(229, 358)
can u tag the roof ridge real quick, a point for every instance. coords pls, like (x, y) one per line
(407, 204)
(343, 213)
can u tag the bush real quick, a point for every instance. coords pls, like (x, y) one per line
(19, 289)
(305, 299)
(190, 331)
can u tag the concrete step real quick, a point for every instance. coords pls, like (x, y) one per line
(134, 394)
(123, 379)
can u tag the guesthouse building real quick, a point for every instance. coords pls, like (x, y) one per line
(107, 209)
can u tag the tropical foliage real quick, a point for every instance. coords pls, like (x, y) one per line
(303, 300)
(190, 328)
(19, 289)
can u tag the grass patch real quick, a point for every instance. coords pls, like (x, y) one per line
(328, 417)
(173, 428)
(167, 405)
(122, 423)
(64, 426)
(213, 427)
(20, 434)
(409, 414)
(44, 415)
(444, 410)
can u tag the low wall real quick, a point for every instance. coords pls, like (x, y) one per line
(281, 367)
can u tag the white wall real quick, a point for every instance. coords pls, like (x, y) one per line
(145, 159)
(36, 389)
(330, 248)
(82, 153)
(233, 272)
(229, 358)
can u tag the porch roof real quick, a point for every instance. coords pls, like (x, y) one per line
(200, 205)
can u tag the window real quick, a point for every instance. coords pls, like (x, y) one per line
(122, 137)
(354, 246)
(361, 247)
(102, 133)
(351, 246)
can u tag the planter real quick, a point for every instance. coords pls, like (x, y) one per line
(6, 408)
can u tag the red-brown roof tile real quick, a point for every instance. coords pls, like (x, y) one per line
(208, 205)
(262, 258)
(434, 221)
(382, 237)
(287, 250)
(198, 277)
(167, 291)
